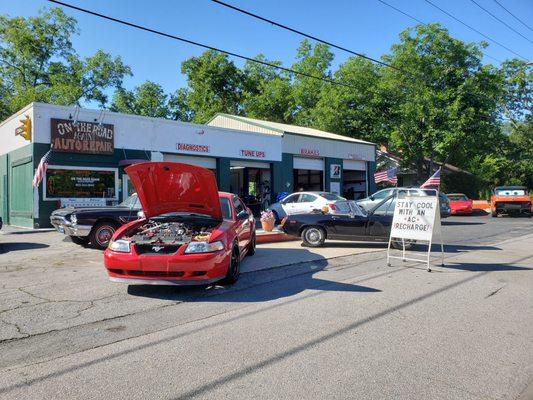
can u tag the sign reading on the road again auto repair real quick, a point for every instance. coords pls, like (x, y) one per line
(414, 218)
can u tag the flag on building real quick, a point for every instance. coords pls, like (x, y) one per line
(434, 180)
(41, 169)
(389, 175)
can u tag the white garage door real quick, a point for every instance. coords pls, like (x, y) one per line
(206, 162)
(316, 164)
(353, 165)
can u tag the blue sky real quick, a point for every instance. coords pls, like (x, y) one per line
(365, 26)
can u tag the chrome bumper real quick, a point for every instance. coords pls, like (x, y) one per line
(62, 225)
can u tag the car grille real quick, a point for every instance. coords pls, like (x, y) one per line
(154, 249)
(139, 273)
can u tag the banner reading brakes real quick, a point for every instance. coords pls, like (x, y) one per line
(414, 218)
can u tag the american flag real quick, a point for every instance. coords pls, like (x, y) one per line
(434, 180)
(388, 175)
(41, 169)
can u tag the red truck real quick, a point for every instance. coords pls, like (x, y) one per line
(512, 200)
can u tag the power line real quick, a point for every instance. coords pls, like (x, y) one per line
(309, 36)
(514, 16)
(424, 23)
(205, 46)
(474, 29)
(500, 20)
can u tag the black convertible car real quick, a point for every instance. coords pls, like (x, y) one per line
(354, 224)
(95, 224)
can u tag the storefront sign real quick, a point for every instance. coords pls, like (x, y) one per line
(252, 153)
(82, 137)
(76, 202)
(197, 148)
(414, 218)
(309, 152)
(66, 182)
(335, 171)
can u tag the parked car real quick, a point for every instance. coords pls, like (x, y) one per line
(304, 202)
(373, 200)
(190, 234)
(513, 200)
(460, 204)
(354, 223)
(95, 224)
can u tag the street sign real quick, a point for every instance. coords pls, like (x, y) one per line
(415, 219)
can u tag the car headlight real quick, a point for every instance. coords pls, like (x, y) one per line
(73, 219)
(121, 246)
(203, 247)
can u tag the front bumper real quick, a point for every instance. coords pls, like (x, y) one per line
(166, 269)
(63, 225)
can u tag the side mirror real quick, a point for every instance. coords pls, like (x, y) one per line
(371, 197)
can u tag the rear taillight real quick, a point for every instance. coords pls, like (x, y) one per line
(332, 207)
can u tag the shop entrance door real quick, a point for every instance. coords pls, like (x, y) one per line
(354, 180)
(251, 181)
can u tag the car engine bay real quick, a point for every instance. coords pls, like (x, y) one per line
(168, 233)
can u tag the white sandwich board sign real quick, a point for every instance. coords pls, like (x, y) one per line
(415, 219)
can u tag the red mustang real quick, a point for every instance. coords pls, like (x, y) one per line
(190, 233)
(460, 204)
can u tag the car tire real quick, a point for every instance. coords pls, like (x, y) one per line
(233, 273)
(313, 236)
(79, 240)
(101, 234)
(397, 244)
(251, 245)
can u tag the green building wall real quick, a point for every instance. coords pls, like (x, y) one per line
(282, 175)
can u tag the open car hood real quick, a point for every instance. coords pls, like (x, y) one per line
(167, 187)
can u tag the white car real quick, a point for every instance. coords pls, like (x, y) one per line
(305, 203)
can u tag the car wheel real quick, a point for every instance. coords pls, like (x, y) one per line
(251, 246)
(233, 268)
(397, 244)
(313, 236)
(79, 240)
(101, 234)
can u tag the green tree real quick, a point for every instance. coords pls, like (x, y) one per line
(38, 63)
(355, 111)
(314, 61)
(446, 109)
(215, 85)
(147, 99)
(267, 92)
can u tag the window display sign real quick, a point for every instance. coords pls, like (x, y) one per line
(64, 182)
(82, 137)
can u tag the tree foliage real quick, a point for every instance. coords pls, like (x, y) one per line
(38, 63)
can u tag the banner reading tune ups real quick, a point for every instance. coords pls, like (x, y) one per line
(82, 137)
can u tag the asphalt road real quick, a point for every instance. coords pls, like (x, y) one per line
(347, 327)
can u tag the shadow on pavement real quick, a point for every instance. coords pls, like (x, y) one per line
(452, 223)
(473, 267)
(7, 247)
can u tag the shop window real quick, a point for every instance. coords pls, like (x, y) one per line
(308, 180)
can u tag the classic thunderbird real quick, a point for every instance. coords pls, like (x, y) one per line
(510, 200)
(350, 223)
(94, 224)
(190, 233)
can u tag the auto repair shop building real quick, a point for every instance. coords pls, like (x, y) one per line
(90, 149)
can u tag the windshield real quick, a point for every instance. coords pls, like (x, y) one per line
(331, 196)
(131, 202)
(457, 197)
(510, 192)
